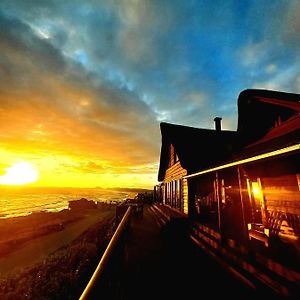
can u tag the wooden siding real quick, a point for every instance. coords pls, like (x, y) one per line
(185, 196)
(175, 172)
(171, 155)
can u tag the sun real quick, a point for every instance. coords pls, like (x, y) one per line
(19, 173)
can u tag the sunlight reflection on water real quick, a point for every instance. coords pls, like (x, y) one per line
(22, 202)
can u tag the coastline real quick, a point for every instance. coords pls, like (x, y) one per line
(28, 239)
(52, 255)
(22, 201)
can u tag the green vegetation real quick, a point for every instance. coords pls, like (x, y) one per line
(25, 246)
(64, 273)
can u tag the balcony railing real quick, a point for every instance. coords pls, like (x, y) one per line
(106, 282)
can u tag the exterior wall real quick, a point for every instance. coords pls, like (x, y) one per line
(175, 173)
(259, 215)
(185, 196)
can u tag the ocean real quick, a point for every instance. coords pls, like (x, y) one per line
(23, 201)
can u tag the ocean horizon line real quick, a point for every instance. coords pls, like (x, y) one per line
(25, 200)
(19, 187)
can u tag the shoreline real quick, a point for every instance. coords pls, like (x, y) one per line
(26, 239)
(6, 216)
(22, 201)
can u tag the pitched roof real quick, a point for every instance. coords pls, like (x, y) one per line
(258, 112)
(259, 109)
(284, 135)
(196, 148)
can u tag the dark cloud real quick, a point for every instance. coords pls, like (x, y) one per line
(41, 87)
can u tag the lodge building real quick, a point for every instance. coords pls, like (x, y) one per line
(240, 190)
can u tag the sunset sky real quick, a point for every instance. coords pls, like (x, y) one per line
(85, 84)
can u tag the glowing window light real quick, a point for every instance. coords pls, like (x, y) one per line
(255, 189)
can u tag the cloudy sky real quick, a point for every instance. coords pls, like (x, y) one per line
(85, 84)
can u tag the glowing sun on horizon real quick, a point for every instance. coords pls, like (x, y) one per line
(19, 173)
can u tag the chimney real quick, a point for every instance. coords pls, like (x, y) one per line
(218, 123)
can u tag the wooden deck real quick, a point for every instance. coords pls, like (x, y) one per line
(163, 263)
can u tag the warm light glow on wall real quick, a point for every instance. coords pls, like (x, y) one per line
(258, 192)
(255, 189)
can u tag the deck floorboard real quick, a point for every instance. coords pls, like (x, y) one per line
(160, 266)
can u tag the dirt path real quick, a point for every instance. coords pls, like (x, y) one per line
(38, 248)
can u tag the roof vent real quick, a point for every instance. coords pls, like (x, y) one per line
(218, 123)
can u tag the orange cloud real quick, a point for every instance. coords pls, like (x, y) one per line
(77, 131)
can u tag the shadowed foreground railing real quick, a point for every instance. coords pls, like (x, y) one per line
(107, 278)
